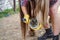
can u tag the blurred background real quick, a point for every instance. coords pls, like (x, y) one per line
(9, 20)
(8, 7)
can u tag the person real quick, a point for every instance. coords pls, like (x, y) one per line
(24, 4)
(24, 9)
(55, 18)
(26, 16)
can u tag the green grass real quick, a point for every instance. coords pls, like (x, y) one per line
(8, 12)
(4, 13)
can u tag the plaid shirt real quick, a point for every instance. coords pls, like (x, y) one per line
(52, 2)
(24, 2)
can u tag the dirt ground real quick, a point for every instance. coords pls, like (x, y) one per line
(10, 28)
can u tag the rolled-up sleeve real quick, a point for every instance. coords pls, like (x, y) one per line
(23, 2)
(52, 2)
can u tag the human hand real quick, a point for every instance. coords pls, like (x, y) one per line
(26, 18)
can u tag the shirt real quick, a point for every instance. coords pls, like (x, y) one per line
(52, 2)
(23, 2)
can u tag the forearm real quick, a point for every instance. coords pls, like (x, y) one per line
(23, 6)
(54, 10)
(24, 10)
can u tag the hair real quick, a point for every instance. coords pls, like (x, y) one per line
(36, 6)
(39, 5)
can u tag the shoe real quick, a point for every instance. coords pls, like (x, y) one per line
(44, 37)
(49, 32)
(56, 37)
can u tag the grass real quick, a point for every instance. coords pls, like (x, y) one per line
(4, 13)
(8, 12)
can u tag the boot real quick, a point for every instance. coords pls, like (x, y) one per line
(49, 32)
(44, 37)
(56, 37)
